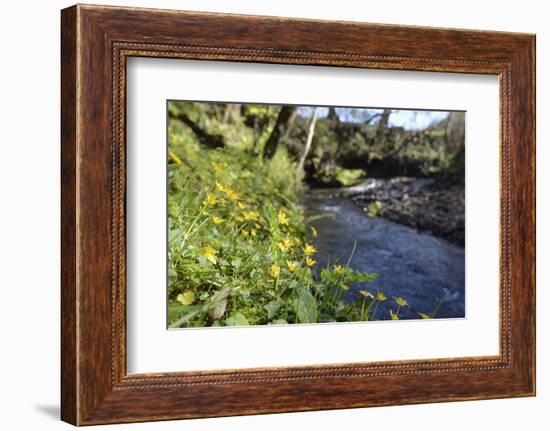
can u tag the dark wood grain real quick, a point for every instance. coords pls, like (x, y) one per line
(69, 398)
(96, 41)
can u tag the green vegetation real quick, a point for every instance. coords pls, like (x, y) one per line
(238, 248)
(374, 208)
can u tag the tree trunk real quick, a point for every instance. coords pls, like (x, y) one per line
(309, 140)
(283, 120)
(384, 118)
(209, 140)
(332, 115)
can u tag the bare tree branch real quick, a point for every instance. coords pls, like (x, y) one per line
(207, 139)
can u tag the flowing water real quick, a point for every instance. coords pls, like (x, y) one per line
(417, 266)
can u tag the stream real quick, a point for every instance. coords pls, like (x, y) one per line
(417, 266)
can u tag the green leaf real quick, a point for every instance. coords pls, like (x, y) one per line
(236, 319)
(272, 309)
(305, 307)
(360, 277)
(175, 311)
(173, 234)
(172, 274)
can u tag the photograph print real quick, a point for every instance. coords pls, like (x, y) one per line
(287, 214)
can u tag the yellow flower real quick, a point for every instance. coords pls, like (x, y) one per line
(174, 158)
(313, 232)
(251, 215)
(309, 250)
(285, 244)
(380, 296)
(275, 270)
(172, 138)
(393, 316)
(292, 266)
(425, 316)
(310, 262)
(244, 233)
(339, 269)
(400, 301)
(210, 199)
(217, 220)
(344, 287)
(366, 294)
(253, 232)
(186, 298)
(219, 167)
(210, 253)
(241, 205)
(288, 242)
(283, 218)
(221, 187)
(232, 195)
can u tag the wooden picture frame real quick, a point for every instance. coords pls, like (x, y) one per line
(95, 43)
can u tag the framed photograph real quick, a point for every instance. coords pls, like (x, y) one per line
(264, 215)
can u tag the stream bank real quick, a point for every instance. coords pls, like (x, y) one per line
(435, 207)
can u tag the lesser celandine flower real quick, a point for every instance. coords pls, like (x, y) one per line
(287, 242)
(339, 269)
(393, 315)
(232, 194)
(172, 138)
(292, 266)
(220, 187)
(219, 167)
(366, 294)
(314, 232)
(310, 262)
(210, 199)
(380, 296)
(241, 205)
(275, 270)
(217, 220)
(251, 215)
(174, 158)
(210, 253)
(283, 218)
(344, 287)
(400, 301)
(309, 250)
